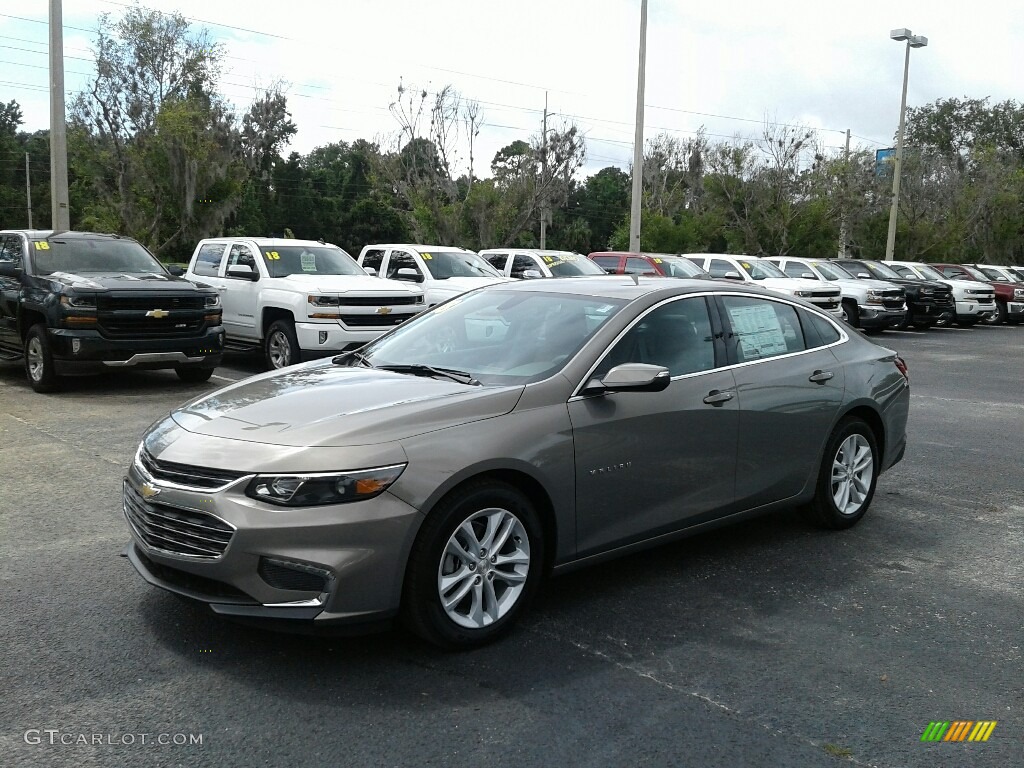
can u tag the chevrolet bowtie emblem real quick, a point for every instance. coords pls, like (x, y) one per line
(148, 491)
(157, 313)
(383, 310)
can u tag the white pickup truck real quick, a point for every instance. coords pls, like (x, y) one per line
(297, 299)
(443, 271)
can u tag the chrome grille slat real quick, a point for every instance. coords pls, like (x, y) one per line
(200, 478)
(177, 531)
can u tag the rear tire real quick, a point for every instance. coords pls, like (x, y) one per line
(39, 361)
(474, 567)
(848, 476)
(193, 374)
(281, 347)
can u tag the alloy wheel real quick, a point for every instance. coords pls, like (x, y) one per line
(483, 568)
(36, 360)
(280, 349)
(853, 468)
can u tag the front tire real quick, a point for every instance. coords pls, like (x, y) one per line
(39, 361)
(475, 566)
(281, 347)
(193, 374)
(851, 312)
(848, 476)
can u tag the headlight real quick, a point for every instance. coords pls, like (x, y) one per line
(310, 490)
(324, 301)
(803, 294)
(79, 302)
(1018, 293)
(212, 301)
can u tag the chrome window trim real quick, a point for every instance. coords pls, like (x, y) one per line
(843, 336)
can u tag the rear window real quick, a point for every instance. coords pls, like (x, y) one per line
(85, 255)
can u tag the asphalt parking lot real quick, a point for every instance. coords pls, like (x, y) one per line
(768, 643)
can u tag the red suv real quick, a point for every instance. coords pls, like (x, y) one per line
(654, 264)
(1009, 295)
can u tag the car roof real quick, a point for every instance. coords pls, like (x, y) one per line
(419, 247)
(620, 286)
(276, 241)
(42, 234)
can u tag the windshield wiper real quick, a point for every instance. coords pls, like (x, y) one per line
(417, 369)
(355, 353)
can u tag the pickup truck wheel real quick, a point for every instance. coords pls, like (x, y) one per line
(281, 347)
(999, 318)
(39, 361)
(193, 374)
(850, 313)
(474, 567)
(847, 478)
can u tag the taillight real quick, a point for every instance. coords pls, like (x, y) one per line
(901, 364)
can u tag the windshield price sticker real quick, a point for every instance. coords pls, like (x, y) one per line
(42, 245)
(426, 256)
(272, 255)
(307, 261)
(657, 261)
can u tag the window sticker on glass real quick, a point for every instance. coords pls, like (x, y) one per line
(42, 245)
(549, 259)
(272, 255)
(759, 331)
(427, 256)
(657, 261)
(746, 265)
(307, 261)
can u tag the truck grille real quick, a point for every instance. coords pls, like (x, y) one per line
(379, 301)
(374, 321)
(892, 299)
(176, 531)
(150, 327)
(146, 303)
(200, 478)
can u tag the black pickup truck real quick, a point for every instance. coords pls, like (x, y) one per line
(76, 303)
(929, 302)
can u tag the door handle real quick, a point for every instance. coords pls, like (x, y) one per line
(717, 397)
(820, 377)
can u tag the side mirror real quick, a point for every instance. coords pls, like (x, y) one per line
(370, 271)
(531, 274)
(410, 275)
(863, 275)
(9, 269)
(175, 270)
(243, 272)
(630, 377)
(808, 276)
(732, 276)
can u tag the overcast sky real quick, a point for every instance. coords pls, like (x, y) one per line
(827, 65)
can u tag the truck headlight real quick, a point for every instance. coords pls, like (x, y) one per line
(1018, 293)
(79, 302)
(318, 488)
(874, 297)
(324, 301)
(803, 294)
(212, 302)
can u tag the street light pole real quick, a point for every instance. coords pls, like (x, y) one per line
(913, 41)
(638, 139)
(61, 218)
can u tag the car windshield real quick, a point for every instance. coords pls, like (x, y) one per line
(496, 336)
(445, 264)
(81, 255)
(676, 266)
(570, 265)
(881, 271)
(928, 273)
(759, 270)
(991, 273)
(832, 271)
(284, 260)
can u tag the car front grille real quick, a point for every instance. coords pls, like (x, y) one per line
(176, 531)
(150, 327)
(378, 301)
(200, 478)
(147, 303)
(374, 321)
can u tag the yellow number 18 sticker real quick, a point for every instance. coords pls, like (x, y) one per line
(42, 245)
(272, 255)
(426, 256)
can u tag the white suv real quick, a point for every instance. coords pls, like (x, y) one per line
(298, 298)
(974, 300)
(443, 271)
(757, 271)
(527, 263)
(868, 304)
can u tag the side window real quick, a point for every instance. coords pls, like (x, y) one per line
(520, 263)
(208, 260)
(373, 259)
(638, 266)
(676, 335)
(904, 272)
(719, 268)
(796, 269)
(610, 264)
(497, 260)
(762, 328)
(401, 260)
(241, 256)
(818, 331)
(698, 260)
(10, 249)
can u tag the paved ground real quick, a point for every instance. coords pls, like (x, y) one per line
(767, 644)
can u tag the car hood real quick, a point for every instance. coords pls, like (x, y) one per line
(875, 285)
(462, 284)
(118, 281)
(322, 404)
(341, 284)
(967, 285)
(790, 284)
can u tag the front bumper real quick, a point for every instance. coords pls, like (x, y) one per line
(1015, 308)
(974, 309)
(327, 337)
(358, 551)
(880, 317)
(88, 351)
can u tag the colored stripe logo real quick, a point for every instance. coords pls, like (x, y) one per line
(959, 730)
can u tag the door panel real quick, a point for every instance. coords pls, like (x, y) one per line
(11, 252)
(240, 297)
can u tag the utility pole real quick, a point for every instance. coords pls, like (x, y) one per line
(61, 217)
(544, 177)
(638, 139)
(890, 243)
(845, 199)
(28, 192)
